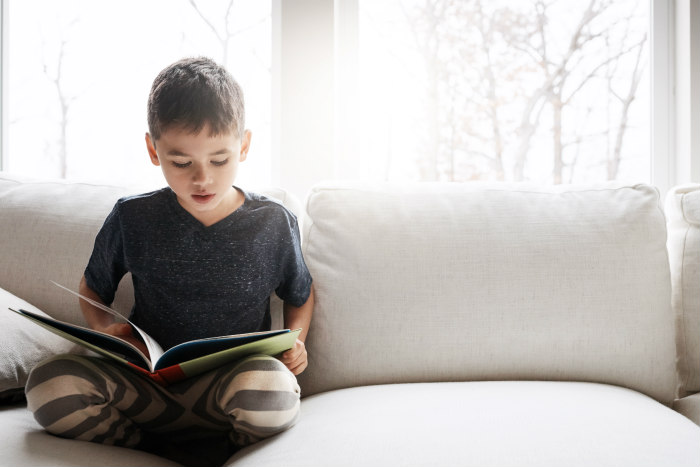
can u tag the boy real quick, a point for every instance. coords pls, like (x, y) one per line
(204, 257)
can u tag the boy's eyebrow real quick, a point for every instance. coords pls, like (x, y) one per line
(177, 152)
(220, 152)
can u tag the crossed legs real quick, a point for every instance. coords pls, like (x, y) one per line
(92, 399)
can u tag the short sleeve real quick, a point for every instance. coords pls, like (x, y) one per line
(295, 286)
(106, 266)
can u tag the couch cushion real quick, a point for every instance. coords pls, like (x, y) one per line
(460, 282)
(22, 345)
(47, 232)
(683, 213)
(25, 443)
(690, 407)
(482, 424)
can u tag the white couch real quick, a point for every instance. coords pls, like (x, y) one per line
(455, 325)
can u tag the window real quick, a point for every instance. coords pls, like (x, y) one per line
(540, 91)
(545, 91)
(80, 73)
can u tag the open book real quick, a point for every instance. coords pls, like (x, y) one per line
(177, 363)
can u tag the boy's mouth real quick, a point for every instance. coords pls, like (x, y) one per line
(202, 198)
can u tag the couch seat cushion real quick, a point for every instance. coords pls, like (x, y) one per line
(482, 424)
(24, 442)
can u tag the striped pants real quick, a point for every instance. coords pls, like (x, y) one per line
(92, 399)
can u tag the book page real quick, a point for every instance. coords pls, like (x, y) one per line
(209, 345)
(102, 343)
(155, 351)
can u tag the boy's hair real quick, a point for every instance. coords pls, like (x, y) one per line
(193, 92)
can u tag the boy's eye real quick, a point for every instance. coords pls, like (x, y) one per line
(181, 166)
(220, 163)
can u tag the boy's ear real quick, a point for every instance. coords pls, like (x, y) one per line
(151, 147)
(245, 144)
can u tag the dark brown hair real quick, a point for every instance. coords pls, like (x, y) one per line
(193, 92)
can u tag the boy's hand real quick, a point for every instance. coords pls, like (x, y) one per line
(104, 322)
(296, 358)
(124, 331)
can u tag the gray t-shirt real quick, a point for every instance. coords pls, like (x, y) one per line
(192, 281)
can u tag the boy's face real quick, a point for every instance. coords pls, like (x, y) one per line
(201, 169)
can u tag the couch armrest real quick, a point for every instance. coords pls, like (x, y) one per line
(683, 216)
(689, 406)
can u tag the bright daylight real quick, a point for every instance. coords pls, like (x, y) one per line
(449, 90)
(350, 233)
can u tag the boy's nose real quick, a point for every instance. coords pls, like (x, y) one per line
(201, 176)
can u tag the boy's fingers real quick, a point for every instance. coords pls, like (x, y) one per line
(298, 364)
(294, 353)
(289, 357)
(298, 368)
(295, 359)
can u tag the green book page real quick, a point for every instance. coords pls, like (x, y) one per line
(201, 347)
(269, 346)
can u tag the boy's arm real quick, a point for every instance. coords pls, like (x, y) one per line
(296, 359)
(104, 322)
(96, 319)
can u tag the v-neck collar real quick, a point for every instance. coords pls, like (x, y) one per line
(189, 219)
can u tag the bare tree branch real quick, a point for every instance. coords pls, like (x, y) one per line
(64, 101)
(614, 164)
(213, 28)
(594, 71)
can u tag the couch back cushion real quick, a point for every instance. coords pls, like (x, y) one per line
(683, 215)
(460, 282)
(47, 232)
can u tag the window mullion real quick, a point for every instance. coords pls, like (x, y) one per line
(687, 92)
(303, 104)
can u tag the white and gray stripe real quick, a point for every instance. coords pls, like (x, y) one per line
(92, 399)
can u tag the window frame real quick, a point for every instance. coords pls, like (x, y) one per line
(683, 90)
